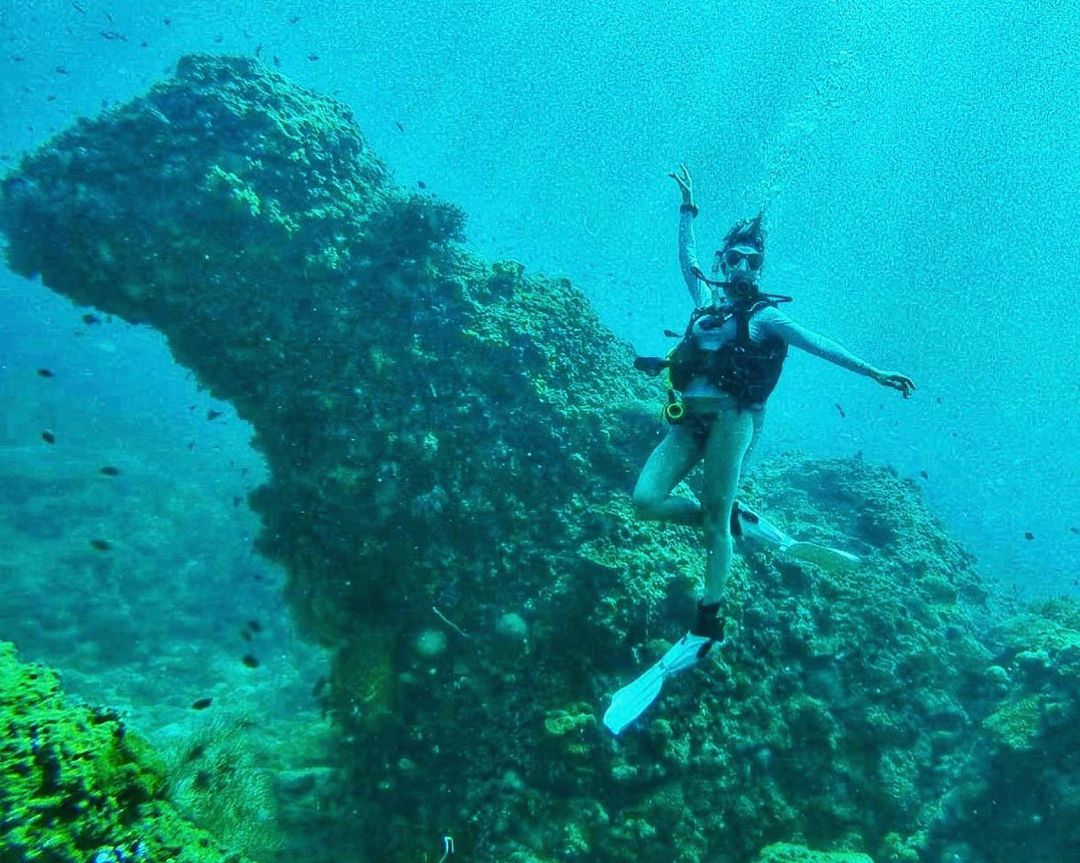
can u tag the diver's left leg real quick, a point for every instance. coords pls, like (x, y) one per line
(758, 418)
(748, 524)
(745, 522)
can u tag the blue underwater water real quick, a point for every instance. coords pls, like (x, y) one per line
(919, 165)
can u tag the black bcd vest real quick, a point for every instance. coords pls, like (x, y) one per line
(746, 370)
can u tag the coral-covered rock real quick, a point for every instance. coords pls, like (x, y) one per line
(1018, 794)
(75, 784)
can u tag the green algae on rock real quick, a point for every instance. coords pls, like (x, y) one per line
(75, 784)
(785, 853)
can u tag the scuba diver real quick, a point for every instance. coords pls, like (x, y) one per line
(725, 367)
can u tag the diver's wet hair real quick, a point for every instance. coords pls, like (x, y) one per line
(746, 232)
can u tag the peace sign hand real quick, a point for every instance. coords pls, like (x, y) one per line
(686, 184)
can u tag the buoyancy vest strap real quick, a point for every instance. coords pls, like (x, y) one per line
(742, 324)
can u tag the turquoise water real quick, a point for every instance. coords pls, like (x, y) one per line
(918, 163)
(919, 167)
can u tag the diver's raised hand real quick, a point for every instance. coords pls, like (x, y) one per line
(686, 184)
(895, 380)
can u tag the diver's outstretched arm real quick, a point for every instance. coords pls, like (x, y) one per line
(814, 343)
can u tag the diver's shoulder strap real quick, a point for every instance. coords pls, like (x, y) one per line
(743, 312)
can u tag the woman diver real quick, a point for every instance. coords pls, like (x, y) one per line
(724, 368)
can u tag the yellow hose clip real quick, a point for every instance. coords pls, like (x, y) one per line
(673, 411)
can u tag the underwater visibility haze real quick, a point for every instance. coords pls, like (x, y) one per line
(321, 423)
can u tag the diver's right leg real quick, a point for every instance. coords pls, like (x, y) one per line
(668, 465)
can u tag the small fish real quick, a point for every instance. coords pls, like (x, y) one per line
(294, 19)
(61, 70)
(212, 414)
(78, 8)
(421, 184)
(1029, 535)
(236, 500)
(45, 373)
(400, 128)
(219, 39)
(100, 545)
(109, 470)
(51, 97)
(313, 57)
(840, 410)
(254, 626)
(167, 22)
(90, 319)
(258, 50)
(202, 703)
(112, 35)
(924, 474)
(1074, 529)
(320, 685)
(250, 661)
(191, 444)
(277, 60)
(48, 437)
(144, 44)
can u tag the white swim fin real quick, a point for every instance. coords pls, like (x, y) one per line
(747, 523)
(832, 559)
(631, 701)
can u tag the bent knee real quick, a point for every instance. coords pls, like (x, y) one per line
(646, 504)
(717, 523)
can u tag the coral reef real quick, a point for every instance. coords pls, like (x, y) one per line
(450, 443)
(1018, 794)
(162, 620)
(75, 784)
